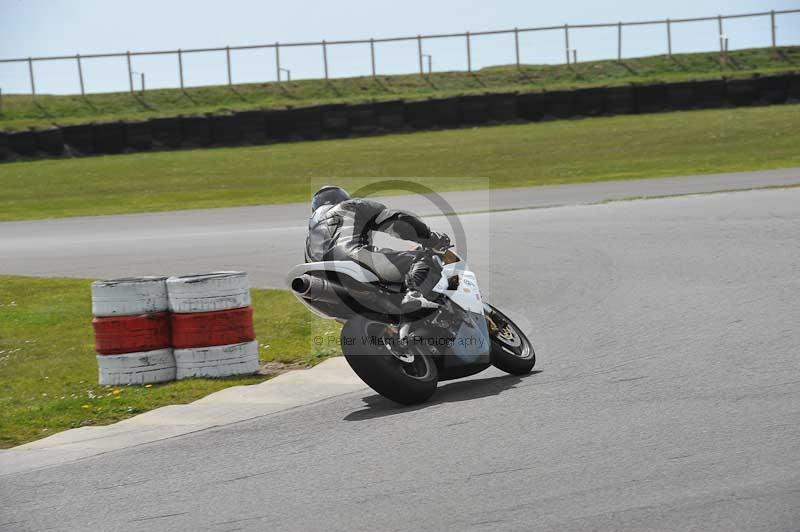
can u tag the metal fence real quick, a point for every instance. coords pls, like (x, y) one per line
(570, 54)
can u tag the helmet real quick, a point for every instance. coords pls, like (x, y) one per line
(328, 195)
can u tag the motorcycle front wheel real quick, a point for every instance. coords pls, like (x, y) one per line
(511, 350)
(372, 352)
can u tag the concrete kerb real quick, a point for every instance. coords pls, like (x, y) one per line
(328, 379)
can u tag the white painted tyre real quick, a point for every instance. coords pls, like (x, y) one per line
(145, 367)
(217, 361)
(208, 292)
(129, 296)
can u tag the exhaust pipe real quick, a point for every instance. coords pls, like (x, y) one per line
(316, 289)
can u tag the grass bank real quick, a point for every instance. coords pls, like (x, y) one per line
(567, 151)
(48, 371)
(20, 111)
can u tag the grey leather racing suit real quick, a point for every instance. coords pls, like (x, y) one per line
(344, 232)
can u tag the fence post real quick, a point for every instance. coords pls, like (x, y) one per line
(228, 61)
(1, 100)
(30, 72)
(469, 54)
(669, 37)
(180, 66)
(278, 60)
(772, 24)
(325, 57)
(719, 25)
(80, 73)
(619, 41)
(566, 40)
(516, 45)
(130, 70)
(372, 54)
(419, 53)
(574, 56)
(142, 74)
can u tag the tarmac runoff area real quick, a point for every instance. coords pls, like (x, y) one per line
(83, 247)
(669, 393)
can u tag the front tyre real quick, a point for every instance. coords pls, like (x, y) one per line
(369, 349)
(511, 350)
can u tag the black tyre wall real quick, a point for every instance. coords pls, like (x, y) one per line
(681, 95)
(308, 123)
(590, 102)
(447, 112)
(709, 93)
(773, 89)
(794, 89)
(109, 137)
(139, 135)
(342, 120)
(334, 120)
(473, 109)
(167, 132)
(225, 130)
(390, 115)
(279, 125)
(50, 141)
(362, 119)
(79, 139)
(620, 100)
(420, 114)
(252, 127)
(559, 104)
(502, 107)
(530, 106)
(22, 143)
(196, 131)
(5, 152)
(651, 98)
(741, 91)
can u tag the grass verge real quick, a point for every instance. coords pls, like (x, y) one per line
(566, 151)
(20, 111)
(48, 371)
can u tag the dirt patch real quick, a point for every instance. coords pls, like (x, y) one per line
(276, 368)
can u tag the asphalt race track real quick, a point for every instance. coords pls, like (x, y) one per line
(668, 396)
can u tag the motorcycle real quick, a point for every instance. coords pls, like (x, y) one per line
(403, 355)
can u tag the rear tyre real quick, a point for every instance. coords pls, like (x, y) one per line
(511, 350)
(407, 383)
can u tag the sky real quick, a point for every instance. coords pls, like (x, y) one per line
(31, 28)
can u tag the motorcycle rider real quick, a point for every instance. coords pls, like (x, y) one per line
(340, 228)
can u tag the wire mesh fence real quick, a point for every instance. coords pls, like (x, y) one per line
(424, 60)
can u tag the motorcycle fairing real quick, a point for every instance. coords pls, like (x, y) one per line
(472, 344)
(467, 295)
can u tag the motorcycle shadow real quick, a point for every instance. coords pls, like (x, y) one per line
(453, 392)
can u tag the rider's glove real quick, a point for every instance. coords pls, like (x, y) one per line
(438, 241)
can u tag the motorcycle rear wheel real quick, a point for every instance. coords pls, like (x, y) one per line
(512, 352)
(402, 382)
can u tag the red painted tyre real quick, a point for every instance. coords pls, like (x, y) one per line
(115, 335)
(206, 329)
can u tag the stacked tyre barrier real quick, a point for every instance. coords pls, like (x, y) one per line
(382, 117)
(132, 331)
(212, 325)
(150, 330)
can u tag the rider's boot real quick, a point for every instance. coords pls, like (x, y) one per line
(419, 279)
(414, 300)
